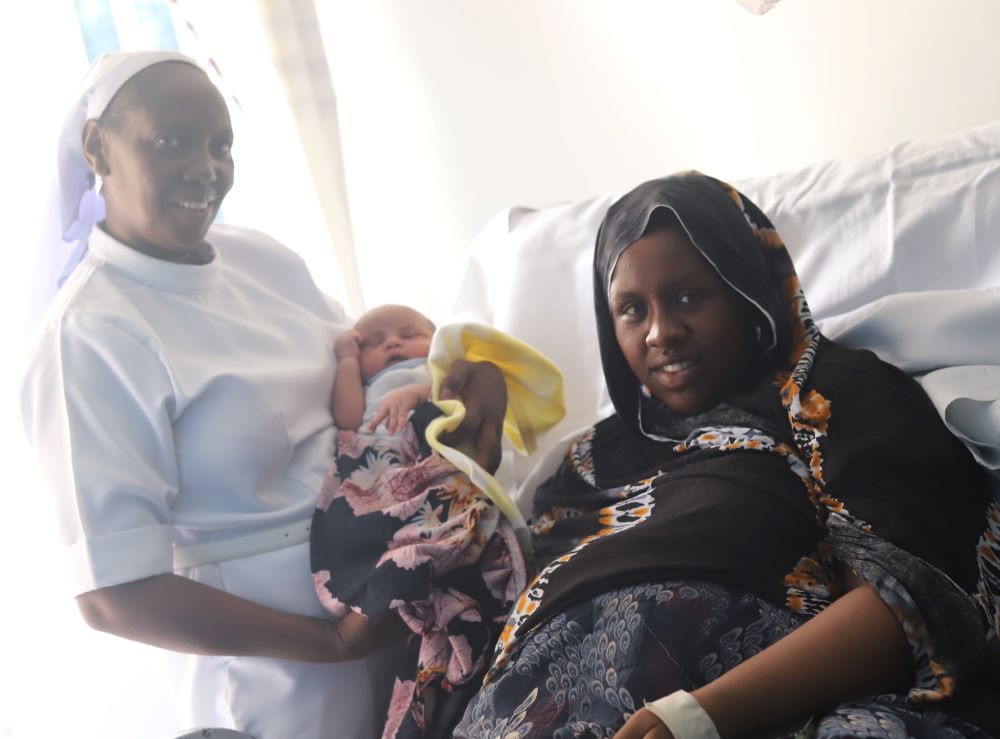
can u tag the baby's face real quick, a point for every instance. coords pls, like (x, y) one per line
(391, 334)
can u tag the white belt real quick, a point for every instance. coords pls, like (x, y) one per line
(245, 545)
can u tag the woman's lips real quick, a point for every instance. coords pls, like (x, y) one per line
(676, 374)
(196, 207)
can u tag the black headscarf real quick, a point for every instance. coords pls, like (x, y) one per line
(733, 235)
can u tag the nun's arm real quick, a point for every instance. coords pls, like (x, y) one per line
(176, 613)
(853, 648)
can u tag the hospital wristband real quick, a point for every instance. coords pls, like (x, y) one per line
(684, 716)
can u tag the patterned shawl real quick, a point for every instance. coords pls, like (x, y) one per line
(829, 459)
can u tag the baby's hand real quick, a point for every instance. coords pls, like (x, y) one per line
(348, 344)
(395, 409)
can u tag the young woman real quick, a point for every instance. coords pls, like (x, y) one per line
(177, 399)
(770, 521)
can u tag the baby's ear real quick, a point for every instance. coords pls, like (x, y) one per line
(93, 148)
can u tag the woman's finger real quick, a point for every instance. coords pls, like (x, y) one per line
(457, 380)
(488, 449)
(643, 725)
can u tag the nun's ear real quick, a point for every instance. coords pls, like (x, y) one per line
(94, 141)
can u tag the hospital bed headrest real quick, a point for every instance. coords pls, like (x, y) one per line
(898, 252)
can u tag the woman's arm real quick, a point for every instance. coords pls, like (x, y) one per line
(182, 615)
(853, 648)
(176, 613)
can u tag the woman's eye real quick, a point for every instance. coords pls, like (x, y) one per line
(223, 149)
(690, 298)
(166, 143)
(631, 310)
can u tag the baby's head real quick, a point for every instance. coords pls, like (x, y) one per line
(391, 334)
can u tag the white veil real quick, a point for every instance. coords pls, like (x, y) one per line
(74, 204)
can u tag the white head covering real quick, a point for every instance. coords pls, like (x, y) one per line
(80, 206)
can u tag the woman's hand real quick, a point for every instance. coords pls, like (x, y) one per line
(481, 388)
(356, 636)
(644, 725)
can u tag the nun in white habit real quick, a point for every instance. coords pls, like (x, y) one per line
(176, 398)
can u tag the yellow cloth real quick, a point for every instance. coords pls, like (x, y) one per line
(534, 398)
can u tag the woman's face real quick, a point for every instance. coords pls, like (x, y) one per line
(685, 334)
(168, 160)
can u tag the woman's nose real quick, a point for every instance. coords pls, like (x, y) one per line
(200, 167)
(665, 330)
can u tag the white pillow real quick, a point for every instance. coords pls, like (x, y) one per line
(919, 218)
(529, 273)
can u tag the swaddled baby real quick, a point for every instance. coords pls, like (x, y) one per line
(400, 531)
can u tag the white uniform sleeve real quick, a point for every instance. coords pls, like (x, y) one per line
(339, 315)
(96, 405)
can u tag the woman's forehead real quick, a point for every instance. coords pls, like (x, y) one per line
(170, 91)
(665, 254)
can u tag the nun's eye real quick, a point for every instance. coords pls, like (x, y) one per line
(166, 143)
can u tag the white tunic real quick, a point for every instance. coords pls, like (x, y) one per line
(175, 405)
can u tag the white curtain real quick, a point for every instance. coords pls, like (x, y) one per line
(287, 185)
(300, 60)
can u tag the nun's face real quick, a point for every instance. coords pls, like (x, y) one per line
(685, 334)
(168, 163)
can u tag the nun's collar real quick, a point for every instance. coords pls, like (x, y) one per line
(152, 271)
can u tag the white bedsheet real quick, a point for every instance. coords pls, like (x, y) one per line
(950, 340)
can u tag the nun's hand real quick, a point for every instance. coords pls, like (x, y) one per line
(481, 388)
(644, 725)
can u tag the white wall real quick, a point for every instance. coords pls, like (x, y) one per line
(451, 110)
